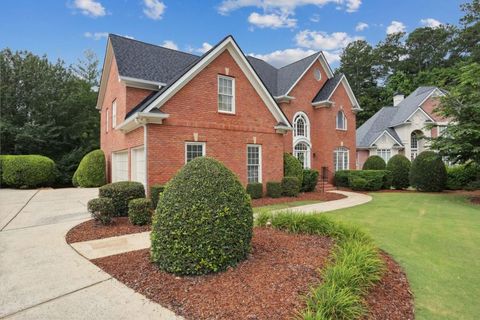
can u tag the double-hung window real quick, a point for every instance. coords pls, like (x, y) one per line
(340, 159)
(226, 94)
(194, 150)
(114, 113)
(341, 121)
(385, 154)
(254, 163)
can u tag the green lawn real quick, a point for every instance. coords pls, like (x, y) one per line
(436, 238)
(285, 205)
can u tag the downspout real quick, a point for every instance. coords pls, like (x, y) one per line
(145, 154)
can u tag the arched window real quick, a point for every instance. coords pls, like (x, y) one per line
(340, 158)
(302, 153)
(301, 125)
(414, 143)
(341, 121)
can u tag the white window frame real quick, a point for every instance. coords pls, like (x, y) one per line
(204, 148)
(336, 153)
(306, 160)
(306, 121)
(223, 94)
(114, 171)
(385, 154)
(133, 164)
(108, 120)
(114, 113)
(259, 163)
(344, 121)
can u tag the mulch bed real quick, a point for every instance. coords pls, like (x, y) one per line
(316, 195)
(92, 230)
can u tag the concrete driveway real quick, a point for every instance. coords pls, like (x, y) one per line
(42, 277)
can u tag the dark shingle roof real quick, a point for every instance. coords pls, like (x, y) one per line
(410, 104)
(267, 73)
(326, 91)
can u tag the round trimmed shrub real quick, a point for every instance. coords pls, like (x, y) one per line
(140, 211)
(428, 172)
(121, 193)
(274, 189)
(399, 167)
(310, 180)
(101, 209)
(291, 186)
(292, 167)
(91, 170)
(155, 191)
(374, 163)
(28, 171)
(203, 222)
(255, 190)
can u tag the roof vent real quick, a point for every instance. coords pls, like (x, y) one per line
(397, 98)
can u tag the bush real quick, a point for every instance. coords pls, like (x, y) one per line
(203, 222)
(1, 169)
(460, 176)
(472, 186)
(121, 193)
(274, 189)
(28, 171)
(358, 183)
(91, 170)
(428, 172)
(290, 186)
(292, 167)
(399, 167)
(140, 211)
(374, 163)
(101, 209)
(341, 178)
(155, 192)
(255, 190)
(310, 180)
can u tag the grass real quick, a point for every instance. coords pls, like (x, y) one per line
(436, 238)
(285, 205)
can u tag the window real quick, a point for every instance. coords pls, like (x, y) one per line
(226, 94)
(385, 154)
(340, 159)
(317, 74)
(108, 123)
(254, 163)
(414, 145)
(120, 166)
(114, 113)
(341, 121)
(300, 126)
(194, 150)
(302, 153)
(138, 165)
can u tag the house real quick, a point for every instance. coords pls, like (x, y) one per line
(399, 129)
(161, 108)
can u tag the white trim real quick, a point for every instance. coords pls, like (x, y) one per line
(307, 125)
(283, 98)
(423, 111)
(113, 171)
(221, 76)
(260, 162)
(107, 115)
(351, 95)
(191, 143)
(145, 145)
(105, 74)
(308, 152)
(323, 103)
(381, 134)
(140, 118)
(141, 83)
(133, 165)
(230, 45)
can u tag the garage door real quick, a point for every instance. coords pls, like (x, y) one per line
(120, 166)
(138, 165)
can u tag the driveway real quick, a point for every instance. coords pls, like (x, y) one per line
(42, 277)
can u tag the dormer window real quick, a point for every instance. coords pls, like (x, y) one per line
(226, 94)
(341, 121)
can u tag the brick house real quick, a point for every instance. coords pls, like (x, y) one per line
(160, 108)
(399, 129)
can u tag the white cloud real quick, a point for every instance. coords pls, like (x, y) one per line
(154, 9)
(129, 37)
(169, 44)
(361, 26)
(95, 35)
(272, 20)
(395, 27)
(90, 7)
(280, 58)
(353, 5)
(205, 47)
(430, 22)
(332, 56)
(319, 40)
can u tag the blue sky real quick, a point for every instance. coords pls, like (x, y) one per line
(279, 31)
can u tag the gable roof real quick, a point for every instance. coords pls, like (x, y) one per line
(328, 88)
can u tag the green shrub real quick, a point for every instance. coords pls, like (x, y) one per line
(155, 192)
(290, 186)
(399, 166)
(140, 211)
(203, 222)
(255, 190)
(375, 179)
(460, 176)
(101, 209)
(91, 170)
(374, 163)
(121, 193)
(28, 171)
(474, 185)
(428, 172)
(341, 178)
(1, 169)
(292, 167)
(274, 189)
(358, 183)
(310, 180)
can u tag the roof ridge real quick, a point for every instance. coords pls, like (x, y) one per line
(309, 56)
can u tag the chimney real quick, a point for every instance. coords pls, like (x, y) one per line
(397, 98)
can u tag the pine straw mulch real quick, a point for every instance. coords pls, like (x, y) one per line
(270, 284)
(304, 196)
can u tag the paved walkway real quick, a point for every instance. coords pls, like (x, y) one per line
(42, 277)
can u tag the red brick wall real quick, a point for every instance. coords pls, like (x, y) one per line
(135, 96)
(429, 107)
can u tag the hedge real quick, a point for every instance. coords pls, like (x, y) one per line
(140, 211)
(91, 170)
(28, 171)
(459, 176)
(255, 190)
(203, 222)
(155, 191)
(374, 163)
(399, 167)
(354, 268)
(274, 189)
(121, 193)
(341, 178)
(292, 167)
(310, 180)
(291, 186)
(428, 172)
(101, 209)
(371, 180)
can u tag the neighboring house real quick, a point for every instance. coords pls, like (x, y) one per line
(399, 129)
(161, 108)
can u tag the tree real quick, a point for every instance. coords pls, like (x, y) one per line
(469, 38)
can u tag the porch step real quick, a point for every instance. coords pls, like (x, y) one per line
(326, 186)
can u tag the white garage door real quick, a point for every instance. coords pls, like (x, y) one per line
(120, 166)
(138, 165)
